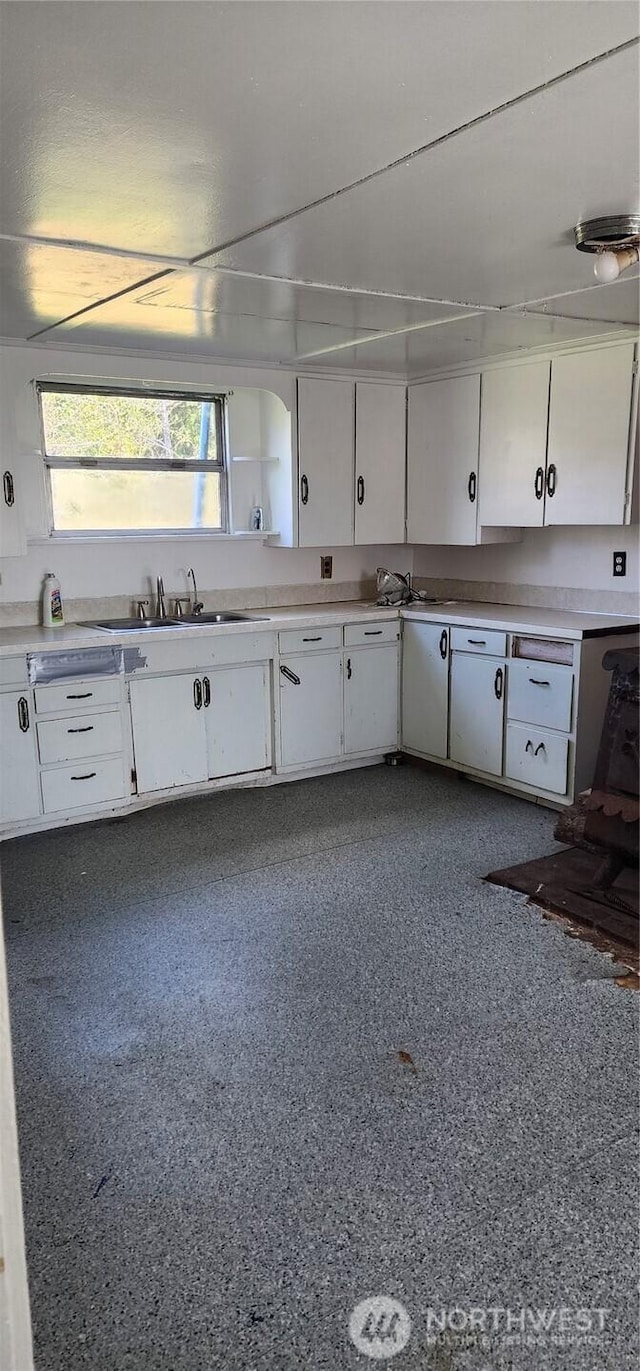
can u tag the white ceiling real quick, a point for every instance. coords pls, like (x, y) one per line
(182, 131)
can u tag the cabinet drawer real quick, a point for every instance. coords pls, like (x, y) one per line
(80, 735)
(488, 641)
(85, 783)
(369, 634)
(310, 639)
(540, 694)
(76, 694)
(537, 759)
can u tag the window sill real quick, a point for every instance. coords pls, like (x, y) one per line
(138, 536)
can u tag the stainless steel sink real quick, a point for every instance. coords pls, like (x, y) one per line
(136, 625)
(222, 618)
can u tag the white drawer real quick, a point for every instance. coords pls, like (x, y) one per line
(537, 759)
(13, 671)
(85, 783)
(369, 634)
(79, 735)
(540, 694)
(487, 641)
(310, 639)
(78, 694)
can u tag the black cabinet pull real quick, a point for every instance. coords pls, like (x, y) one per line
(444, 643)
(498, 683)
(533, 681)
(9, 489)
(477, 642)
(318, 639)
(349, 672)
(540, 748)
(529, 745)
(87, 729)
(197, 693)
(304, 489)
(360, 490)
(290, 675)
(538, 484)
(472, 485)
(86, 695)
(89, 776)
(206, 687)
(372, 632)
(552, 477)
(23, 714)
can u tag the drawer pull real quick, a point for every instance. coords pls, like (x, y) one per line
(206, 687)
(88, 729)
(290, 675)
(313, 640)
(86, 695)
(533, 681)
(540, 748)
(9, 493)
(477, 642)
(529, 746)
(23, 714)
(372, 632)
(89, 776)
(498, 683)
(443, 644)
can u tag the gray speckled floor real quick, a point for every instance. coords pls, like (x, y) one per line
(223, 1149)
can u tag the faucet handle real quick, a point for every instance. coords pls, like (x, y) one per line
(178, 607)
(140, 608)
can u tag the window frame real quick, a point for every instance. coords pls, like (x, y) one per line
(143, 391)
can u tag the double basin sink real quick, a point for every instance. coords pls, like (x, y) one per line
(136, 624)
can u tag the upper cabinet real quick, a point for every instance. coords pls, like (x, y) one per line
(442, 461)
(513, 445)
(589, 449)
(380, 463)
(325, 462)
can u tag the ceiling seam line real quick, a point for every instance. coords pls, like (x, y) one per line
(86, 309)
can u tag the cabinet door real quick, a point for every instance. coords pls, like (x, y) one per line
(589, 437)
(477, 712)
(19, 783)
(310, 692)
(442, 461)
(169, 742)
(425, 687)
(325, 462)
(237, 718)
(514, 412)
(381, 447)
(371, 699)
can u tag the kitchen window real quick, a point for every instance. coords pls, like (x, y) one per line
(134, 460)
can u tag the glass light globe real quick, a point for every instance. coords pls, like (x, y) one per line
(606, 266)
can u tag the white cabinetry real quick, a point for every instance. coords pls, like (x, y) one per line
(237, 719)
(19, 782)
(477, 712)
(325, 462)
(380, 463)
(168, 731)
(442, 461)
(310, 692)
(588, 481)
(425, 687)
(513, 445)
(13, 542)
(371, 699)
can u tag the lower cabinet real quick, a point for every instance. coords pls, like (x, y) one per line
(371, 699)
(310, 690)
(425, 688)
(476, 720)
(192, 728)
(19, 781)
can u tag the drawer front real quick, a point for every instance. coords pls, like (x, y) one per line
(367, 635)
(537, 759)
(78, 694)
(310, 639)
(540, 694)
(542, 649)
(85, 783)
(196, 650)
(13, 671)
(487, 641)
(80, 735)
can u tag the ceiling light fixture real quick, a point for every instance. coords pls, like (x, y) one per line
(615, 240)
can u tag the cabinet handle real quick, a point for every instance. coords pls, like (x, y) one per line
(304, 489)
(444, 642)
(529, 746)
(538, 484)
(23, 714)
(477, 642)
(318, 639)
(290, 675)
(9, 490)
(552, 477)
(472, 485)
(197, 693)
(89, 776)
(534, 681)
(206, 686)
(498, 683)
(86, 695)
(360, 490)
(87, 729)
(540, 748)
(372, 632)
(349, 672)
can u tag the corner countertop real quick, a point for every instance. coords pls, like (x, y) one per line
(553, 623)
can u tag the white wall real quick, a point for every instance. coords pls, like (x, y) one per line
(580, 558)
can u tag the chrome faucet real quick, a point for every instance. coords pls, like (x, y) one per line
(161, 608)
(197, 605)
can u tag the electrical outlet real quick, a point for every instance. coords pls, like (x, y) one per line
(326, 568)
(619, 563)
